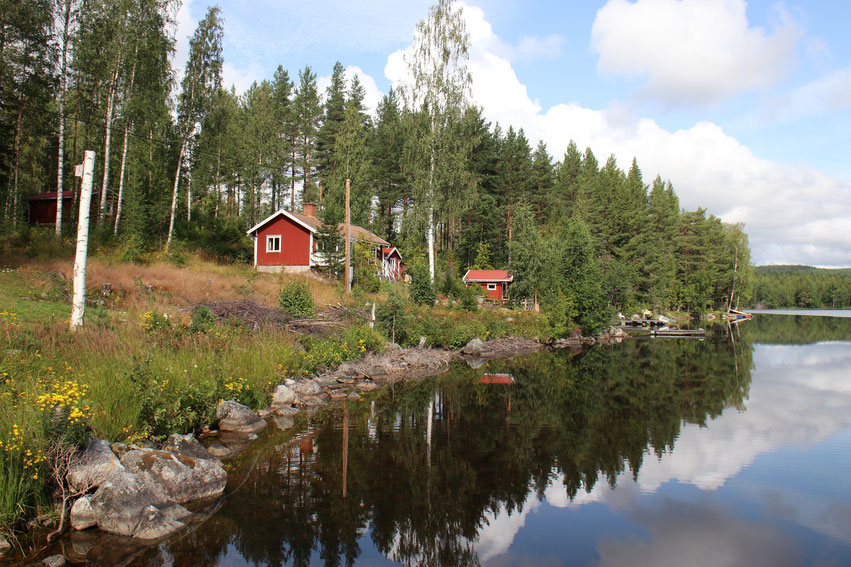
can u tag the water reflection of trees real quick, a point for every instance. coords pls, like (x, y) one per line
(796, 329)
(424, 498)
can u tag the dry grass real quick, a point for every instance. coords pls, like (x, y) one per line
(199, 281)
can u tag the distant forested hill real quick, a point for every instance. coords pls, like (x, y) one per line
(802, 286)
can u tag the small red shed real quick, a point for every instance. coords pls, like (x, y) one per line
(392, 267)
(41, 208)
(494, 283)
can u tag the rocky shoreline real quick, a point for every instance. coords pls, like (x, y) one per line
(142, 492)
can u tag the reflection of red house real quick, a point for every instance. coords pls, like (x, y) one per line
(502, 379)
(494, 283)
(286, 241)
(41, 208)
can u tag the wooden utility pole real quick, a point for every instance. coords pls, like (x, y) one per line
(346, 236)
(78, 305)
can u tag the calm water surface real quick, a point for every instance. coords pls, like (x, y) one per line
(735, 450)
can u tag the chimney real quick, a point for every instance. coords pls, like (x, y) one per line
(309, 210)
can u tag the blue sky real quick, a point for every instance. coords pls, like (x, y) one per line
(744, 106)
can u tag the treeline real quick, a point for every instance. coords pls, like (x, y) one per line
(802, 286)
(199, 163)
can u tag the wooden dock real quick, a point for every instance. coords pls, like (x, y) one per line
(657, 331)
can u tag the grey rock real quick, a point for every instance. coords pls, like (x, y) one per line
(376, 370)
(82, 515)
(186, 445)
(285, 412)
(284, 396)
(5, 546)
(353, 396)
(390, 346)
(158, 523)
(308, 388)
(54, 561)
(236, 418)
(96, 464)
(313, 401)
(476, 347)
(367, 386)
(124, 503)
(219, 451)
(180, 477)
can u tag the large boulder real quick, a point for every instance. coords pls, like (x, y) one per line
(308, 388)
(129, 505)
(96, 464)
(180, 477)
(236, 418)
(186, 445)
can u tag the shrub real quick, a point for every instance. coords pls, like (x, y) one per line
(202, 320)
(422, 290)
(295, 299)
(133, 250)
(392, 318)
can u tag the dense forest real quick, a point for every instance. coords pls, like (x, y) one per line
(802, 287)
(184, 159)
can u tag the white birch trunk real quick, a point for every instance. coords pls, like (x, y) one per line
(174, 195)
(430, 229)
(110, 107)
(78, 305)
(121, 178)
(189, 195)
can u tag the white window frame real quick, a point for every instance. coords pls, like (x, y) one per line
(270, 238)
(492, 287)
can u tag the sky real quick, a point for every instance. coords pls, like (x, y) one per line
(744, 106)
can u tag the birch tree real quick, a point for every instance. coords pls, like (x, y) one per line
(438, 86)
(67, 11)
(201, 80)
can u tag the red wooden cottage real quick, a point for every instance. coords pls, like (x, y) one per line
(391, 266)
(494, 283)
(286, 241)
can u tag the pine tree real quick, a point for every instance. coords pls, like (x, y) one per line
(308, 117)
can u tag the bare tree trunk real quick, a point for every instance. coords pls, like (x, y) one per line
(110, 107)
(63, 83)
(17, 161)
(78, 306)
(121, 178)
(174, 195)
(218, 185)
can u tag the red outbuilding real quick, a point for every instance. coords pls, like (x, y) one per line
(41, 208)
(286, 241)
(494, 283)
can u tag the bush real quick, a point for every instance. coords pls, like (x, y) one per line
(202, 320)
(133, 250)
(176, 255)
(392, 318)
(422, 290)
(295, 299)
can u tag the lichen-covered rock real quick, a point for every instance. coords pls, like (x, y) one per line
(96, 464)
(180, 477)
(236, 418)
(186, 445)
(128, 505)
(82, 515)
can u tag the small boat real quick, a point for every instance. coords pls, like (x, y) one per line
(735, 315)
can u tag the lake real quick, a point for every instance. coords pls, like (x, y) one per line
(735, 450)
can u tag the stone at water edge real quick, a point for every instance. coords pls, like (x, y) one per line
(187, 446)
(97, 463)
(236, 418)
(54, 561)
(475, 346)
(283, 397)
(308, 388)
(124, 505)
(83, 516)
(219, 451)
(180, 477)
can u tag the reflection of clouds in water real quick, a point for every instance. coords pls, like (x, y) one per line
(685, 534)
(799, 396)
(498, 529)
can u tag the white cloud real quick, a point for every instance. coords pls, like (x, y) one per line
(691, 50)
(829, 93)
(792, 213)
